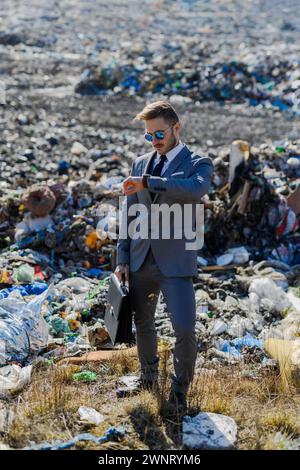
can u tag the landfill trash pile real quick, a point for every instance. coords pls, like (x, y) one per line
(57, 234)
(261, 81)
(249, 266)
(69, 89)
(195, 61)
(255, 204)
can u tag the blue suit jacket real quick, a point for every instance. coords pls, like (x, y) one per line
(185, 181)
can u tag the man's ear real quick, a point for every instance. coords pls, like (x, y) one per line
(177, 126)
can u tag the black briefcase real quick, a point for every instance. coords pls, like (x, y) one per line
(118, 314)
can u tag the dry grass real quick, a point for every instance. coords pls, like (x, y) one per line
(48, 408)
(120, 364)
(279, 441)
(284, 421)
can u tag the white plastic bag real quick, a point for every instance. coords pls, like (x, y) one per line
(13, 378)
(22, 329)
(90, 415)
(265, 288)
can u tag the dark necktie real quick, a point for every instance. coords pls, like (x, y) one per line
(157, 170)
(159, 166)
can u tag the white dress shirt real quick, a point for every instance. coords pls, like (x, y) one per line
(170, 156)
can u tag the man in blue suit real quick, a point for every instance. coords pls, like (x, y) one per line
(170, 176)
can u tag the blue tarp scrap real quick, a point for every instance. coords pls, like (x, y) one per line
(235, 346)
(35, 288)
(112, 434)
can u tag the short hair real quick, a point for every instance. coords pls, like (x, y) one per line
(158, 109)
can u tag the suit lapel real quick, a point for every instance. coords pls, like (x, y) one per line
(147, 163)
(178, 160)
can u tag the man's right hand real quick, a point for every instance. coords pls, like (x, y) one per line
(122, 269)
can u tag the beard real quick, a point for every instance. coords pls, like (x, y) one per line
(172, 143)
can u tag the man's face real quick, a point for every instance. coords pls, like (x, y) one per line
(171, 137)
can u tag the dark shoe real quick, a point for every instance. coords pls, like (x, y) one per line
(178, 401)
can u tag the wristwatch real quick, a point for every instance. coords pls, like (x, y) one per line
(145, 181)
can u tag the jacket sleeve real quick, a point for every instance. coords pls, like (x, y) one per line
(123, 245)
(189, 189)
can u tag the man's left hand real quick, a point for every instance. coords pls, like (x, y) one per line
(133, 184)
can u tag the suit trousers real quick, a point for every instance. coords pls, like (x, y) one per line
(145, 286)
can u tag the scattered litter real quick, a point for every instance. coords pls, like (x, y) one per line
(22, 328)
(90, 415)
(99, 356)
(112, 434)
(264, 288)
(7, 418)
(127, 385)
(14, 378)
(84, 376)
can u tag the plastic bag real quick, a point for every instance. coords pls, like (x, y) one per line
(90, 416)
(265, 288)
(14, 378)
(22, 329)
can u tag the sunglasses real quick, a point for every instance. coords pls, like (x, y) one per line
(159, 135)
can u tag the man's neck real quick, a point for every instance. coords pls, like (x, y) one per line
(169, 150)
